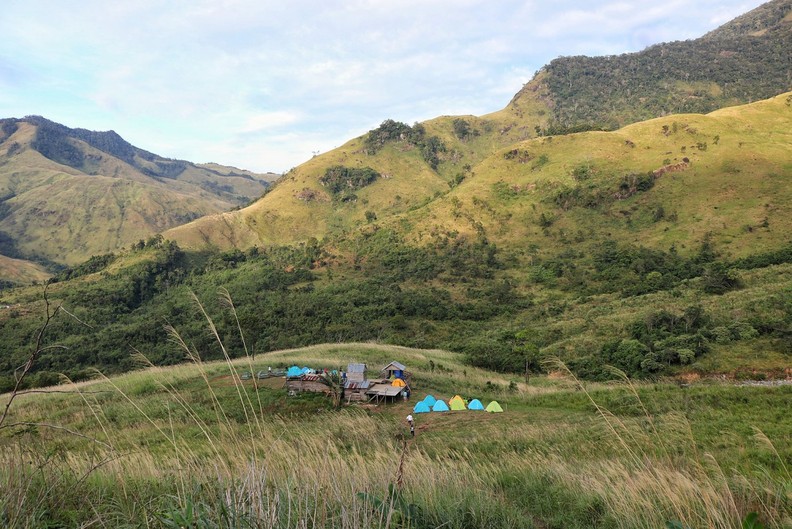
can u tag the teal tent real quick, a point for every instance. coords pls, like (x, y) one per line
(430, 400)
(475, 404)
(440, 406)
(422, 407)
(294, 372)
(307, 370)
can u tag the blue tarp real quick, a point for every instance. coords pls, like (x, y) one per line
(294, 372)
(422, 407)
(440, 406)
(430, 400)
(475, 404)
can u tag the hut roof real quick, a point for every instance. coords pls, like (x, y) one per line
(356, 368)
(356, 384)
(395, 366)
(384, 390)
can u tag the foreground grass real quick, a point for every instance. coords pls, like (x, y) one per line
(195, 446)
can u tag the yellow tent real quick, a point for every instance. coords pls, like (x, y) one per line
(457, 397)
(398, 383)
(457, 404)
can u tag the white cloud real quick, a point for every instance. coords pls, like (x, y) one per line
(260, 82)
(269, 120)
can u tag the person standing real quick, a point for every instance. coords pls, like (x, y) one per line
(412, 424)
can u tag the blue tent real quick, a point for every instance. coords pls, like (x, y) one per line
(430, 400)
(294, 372)
(475, 404)
(440, 406)
(306, 370)
(421, 407)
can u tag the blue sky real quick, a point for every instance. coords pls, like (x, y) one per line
(263, 84)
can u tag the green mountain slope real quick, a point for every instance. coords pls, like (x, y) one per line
(667, 181)
(67, 194)
(745, 60)
(661, 248)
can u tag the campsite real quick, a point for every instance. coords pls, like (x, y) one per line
(199, 442)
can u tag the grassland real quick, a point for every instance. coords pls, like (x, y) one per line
(94, 202)
(196, 446)
(521, 190)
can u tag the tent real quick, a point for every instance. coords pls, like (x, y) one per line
(457, 404)
(475, 404)
(439, 406)
(422, 407)
(456, 397)
(494, 407)
(307, 370)
(398, 382)
(430, 400)
(294, 372)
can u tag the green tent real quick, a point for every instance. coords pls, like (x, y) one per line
(494, 407)
(457, 404)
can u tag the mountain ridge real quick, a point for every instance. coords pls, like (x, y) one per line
(570, 94)
(67, 194)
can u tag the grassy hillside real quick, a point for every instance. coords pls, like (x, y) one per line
(667, 182)
(664, 182)
(17, 271)
(197, 446)
(743, 61)
(661, 248)
(67, 194)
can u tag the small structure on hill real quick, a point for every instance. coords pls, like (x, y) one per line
(357, 387)
(355, 391)
(309, 382)
(356, 372)
(394, 370)
(394, 382)
(385, 392)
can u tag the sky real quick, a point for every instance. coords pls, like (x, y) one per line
(265, 84)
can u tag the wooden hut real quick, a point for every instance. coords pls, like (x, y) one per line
(356, 372)
(395, 370)
(355, 391)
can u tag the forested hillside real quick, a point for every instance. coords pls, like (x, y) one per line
(745, 60)
(660, 248)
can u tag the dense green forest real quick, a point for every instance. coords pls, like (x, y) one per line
(456, 293)
(743, 61)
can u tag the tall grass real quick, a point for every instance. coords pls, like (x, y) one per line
(197, 446)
